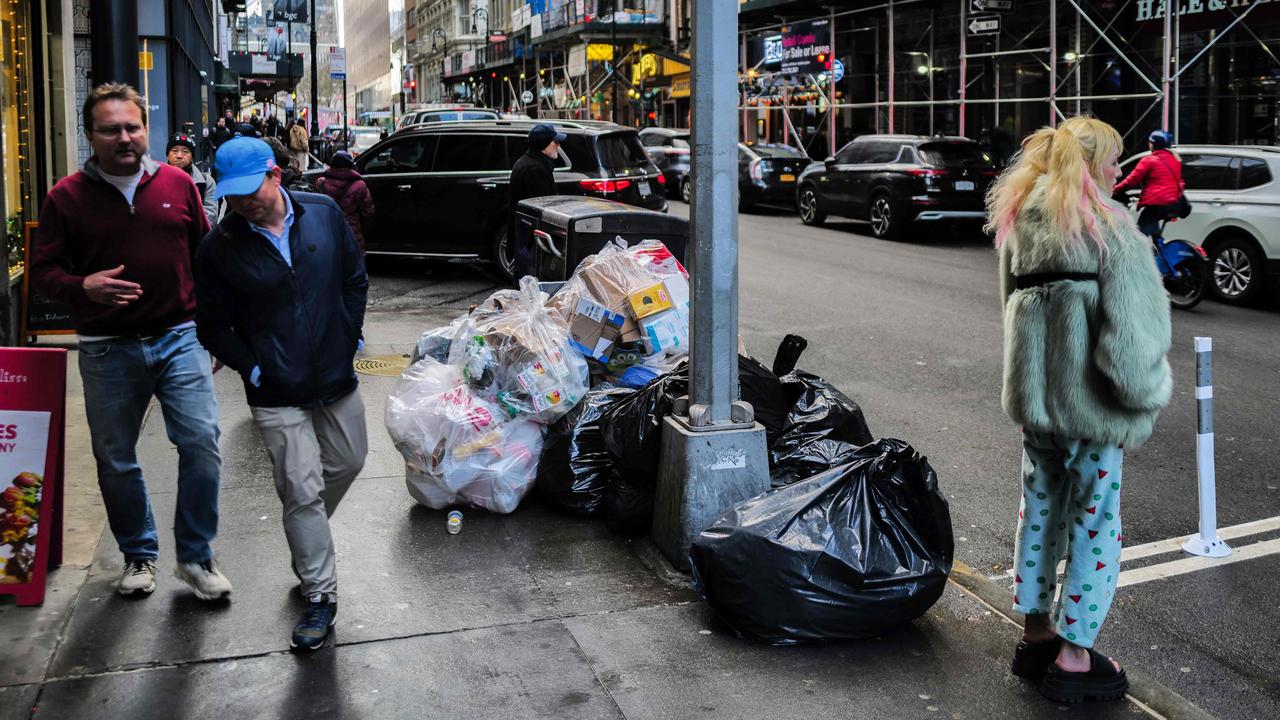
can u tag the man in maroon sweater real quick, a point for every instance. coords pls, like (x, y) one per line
(115, 243)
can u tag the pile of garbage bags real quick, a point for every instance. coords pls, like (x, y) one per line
(851, 552)
(470, 414)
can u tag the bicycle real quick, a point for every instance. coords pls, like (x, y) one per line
(1184, 267)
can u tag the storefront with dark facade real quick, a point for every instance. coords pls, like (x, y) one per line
(998, 69)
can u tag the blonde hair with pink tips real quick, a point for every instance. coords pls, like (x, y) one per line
(1072, 157)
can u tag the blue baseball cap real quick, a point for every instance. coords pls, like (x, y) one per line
(240, 166)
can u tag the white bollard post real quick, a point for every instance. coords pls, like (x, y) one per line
(1206, 543)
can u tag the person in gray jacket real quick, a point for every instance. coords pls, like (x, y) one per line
(181, 153)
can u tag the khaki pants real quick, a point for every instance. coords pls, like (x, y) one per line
(315, 454)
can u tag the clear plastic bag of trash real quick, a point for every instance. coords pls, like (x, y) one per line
(515, 354)
(459, 447)
(853, 552)
(436, 342)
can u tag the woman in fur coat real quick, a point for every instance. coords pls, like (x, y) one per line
(1087, 332)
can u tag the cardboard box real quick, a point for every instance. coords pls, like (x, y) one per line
(666, 333)
(649, 301)
(593, 329)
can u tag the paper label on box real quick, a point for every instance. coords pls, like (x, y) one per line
(531, 376)
(650, 301)
(591, 310)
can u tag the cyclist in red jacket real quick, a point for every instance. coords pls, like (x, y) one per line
(1160, 177)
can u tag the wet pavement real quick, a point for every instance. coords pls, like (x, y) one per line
(531, 615)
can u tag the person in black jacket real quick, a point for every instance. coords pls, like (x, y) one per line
(280, 293)
(533, 176)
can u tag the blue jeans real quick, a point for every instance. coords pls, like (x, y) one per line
(120, 377)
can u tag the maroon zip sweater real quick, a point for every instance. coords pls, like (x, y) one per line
(86, 226)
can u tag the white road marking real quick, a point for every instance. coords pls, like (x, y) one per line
(1161, 547)
(1191, 564)
(1174, 544)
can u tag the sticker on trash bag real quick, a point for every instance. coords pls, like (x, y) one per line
(730, 459)
(531, 376)
(546, 401)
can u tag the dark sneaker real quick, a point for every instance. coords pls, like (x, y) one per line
(314, 625)
(138, 578)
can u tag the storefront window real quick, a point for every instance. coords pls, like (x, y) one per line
(15, 124)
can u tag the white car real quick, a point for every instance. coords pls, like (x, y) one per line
(1235, 214)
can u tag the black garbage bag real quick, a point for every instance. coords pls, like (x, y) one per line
(629, 509)
(849, 553)
(819, 412)
(633, 427)
(574, 471)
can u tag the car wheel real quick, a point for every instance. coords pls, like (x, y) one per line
(883, 217)
(504, 254)
(1238, 274)
(685, 190)
(810, 209)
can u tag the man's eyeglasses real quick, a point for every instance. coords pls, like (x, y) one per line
(110, 131)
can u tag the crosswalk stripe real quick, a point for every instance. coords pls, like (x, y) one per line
(1191, 564)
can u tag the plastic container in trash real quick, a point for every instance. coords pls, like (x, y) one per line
(562, 230)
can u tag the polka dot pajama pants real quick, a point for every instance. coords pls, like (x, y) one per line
(1071, 507)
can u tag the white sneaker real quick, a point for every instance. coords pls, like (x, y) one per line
(204, 579)
(138, 578)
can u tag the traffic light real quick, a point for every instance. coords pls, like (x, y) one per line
(413, 84)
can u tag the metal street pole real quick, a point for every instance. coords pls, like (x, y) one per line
(713, 451)
(315, 86)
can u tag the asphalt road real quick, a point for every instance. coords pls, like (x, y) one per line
(912, 331)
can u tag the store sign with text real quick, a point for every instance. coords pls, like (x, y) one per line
(1209, 14)
(800, 48)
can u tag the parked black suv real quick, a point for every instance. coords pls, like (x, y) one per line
(670, 151)
(766, 176)
(440, 190)
(894, 180)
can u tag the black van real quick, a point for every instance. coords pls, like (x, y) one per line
(441, 190)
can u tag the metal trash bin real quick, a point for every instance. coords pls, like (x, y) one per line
(562, 230)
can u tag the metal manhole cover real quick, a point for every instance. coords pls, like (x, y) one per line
(383, 365)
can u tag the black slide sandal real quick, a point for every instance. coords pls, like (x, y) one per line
(1031, 660)
(1101, 682)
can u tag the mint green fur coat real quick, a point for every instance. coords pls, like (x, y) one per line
(1084, 359)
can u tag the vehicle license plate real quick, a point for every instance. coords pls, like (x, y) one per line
(644, 187)
(964, 185)
(787, 178)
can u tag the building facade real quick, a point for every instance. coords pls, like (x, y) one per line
(371, 82)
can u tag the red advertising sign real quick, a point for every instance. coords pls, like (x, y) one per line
(33, 391)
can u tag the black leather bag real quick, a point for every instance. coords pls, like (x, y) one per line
(1181, 207)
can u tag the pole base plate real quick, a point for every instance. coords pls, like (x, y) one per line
(1214, 548)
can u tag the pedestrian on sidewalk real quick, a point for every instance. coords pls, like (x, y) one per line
(115, 243)
(299, 144)
(181, 154)
(1085, 374)
(532, 176)
(281, 288)
(347, 187)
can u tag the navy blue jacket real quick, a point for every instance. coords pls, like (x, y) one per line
(299, 325)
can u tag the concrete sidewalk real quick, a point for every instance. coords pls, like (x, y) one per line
(530, 615)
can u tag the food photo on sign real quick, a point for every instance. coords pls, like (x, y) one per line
(24, 440)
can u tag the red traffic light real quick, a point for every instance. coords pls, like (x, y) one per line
(653, 115)
(493, 75)
(413, 84)
(822, 58)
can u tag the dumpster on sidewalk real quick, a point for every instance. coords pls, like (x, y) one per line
(564, 230)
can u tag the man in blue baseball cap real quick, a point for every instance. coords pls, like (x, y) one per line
(281, 289)
(533, 176)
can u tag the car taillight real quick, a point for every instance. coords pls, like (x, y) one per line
(929, 172)
(756, 172)
(990, 173)
(604, 186)
(662, 179)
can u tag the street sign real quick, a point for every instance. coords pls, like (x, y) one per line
(986, 6)
(837, 69)
(985, 25)
(526, 97)
(337, 63)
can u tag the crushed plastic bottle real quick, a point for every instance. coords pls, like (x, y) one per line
(455, 522)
